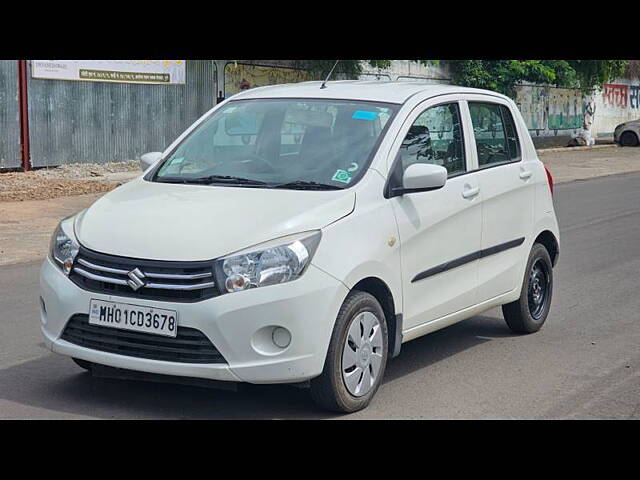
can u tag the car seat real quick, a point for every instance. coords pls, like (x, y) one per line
(316, 148)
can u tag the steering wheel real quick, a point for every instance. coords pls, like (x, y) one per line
(254, 157)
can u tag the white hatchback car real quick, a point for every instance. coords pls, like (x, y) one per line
(298, 234)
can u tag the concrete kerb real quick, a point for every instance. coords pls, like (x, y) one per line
(575, 149)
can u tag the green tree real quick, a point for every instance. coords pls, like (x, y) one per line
(633, 69)
(504, 75)
(499, 75)
(594, 73)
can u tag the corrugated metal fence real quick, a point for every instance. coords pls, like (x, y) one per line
(75, 122)
(9, 115)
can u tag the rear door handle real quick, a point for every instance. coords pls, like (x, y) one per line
(525, 174)
(469, 192)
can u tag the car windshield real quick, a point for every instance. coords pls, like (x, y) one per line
(280, 143)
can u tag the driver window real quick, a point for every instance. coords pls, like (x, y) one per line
(436, 137)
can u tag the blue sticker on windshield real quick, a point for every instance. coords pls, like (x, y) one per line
(364, 115)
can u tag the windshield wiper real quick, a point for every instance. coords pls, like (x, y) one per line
(304, 185)
(213, 179)
(233, 180)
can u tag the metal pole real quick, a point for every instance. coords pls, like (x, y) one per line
(24, 114)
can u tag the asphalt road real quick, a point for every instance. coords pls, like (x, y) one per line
(584, 363)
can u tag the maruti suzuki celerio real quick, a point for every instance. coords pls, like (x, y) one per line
(298, 234)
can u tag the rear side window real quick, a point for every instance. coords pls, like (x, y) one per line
(495, 133)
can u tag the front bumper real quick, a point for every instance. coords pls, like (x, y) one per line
(238, 325)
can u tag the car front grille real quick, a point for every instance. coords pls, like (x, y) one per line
(189, 346)
(148, 279)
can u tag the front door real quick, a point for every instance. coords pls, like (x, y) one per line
(440, 229)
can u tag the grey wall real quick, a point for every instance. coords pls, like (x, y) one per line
(9, 118)
(75, 122)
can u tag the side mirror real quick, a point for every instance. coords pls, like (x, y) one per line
(149, 159)
(421, 177)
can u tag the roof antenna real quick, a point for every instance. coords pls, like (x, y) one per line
(327, 79)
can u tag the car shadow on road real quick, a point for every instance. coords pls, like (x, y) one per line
(421, 353)
(56, 384)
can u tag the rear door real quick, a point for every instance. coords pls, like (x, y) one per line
(508, 194)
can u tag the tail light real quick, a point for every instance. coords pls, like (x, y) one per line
(549, 179)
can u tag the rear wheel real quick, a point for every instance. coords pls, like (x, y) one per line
(356, 358)
(83, 363)
(628, 139)
(529, 312)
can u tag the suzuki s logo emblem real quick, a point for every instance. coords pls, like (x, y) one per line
(136, 279)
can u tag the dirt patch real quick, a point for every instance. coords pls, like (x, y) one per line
(85, 171)
(64, 181)
(26, 227)
(21, 187)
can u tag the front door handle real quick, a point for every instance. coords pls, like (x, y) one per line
(525, 174)
(469, 192)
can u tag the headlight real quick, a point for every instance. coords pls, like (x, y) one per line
(64, 247)
(267, 265)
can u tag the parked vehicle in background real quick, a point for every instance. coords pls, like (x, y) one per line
(628, 134)
(298, 234)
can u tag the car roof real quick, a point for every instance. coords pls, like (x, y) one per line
(369, 90)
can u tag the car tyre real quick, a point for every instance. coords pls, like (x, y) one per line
(83, 364)
(356, 358)
(629, 139)
(529, 312)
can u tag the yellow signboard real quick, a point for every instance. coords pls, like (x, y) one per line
(122, 71)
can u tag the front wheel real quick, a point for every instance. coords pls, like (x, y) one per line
(356, 358)
(529, 312)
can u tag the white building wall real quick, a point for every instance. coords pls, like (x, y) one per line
(616, 103)
(550, 111)
(406, 70)
(560, 112)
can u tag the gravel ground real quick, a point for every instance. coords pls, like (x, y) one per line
(87, 170)
(62, 181)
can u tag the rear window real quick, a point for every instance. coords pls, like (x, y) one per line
(495, 134)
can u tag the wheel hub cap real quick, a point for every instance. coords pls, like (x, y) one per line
(365, 355)
(362, 354)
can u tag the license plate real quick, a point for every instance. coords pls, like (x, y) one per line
(133, 317)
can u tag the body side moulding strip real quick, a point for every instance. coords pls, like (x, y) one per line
(443, 267)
